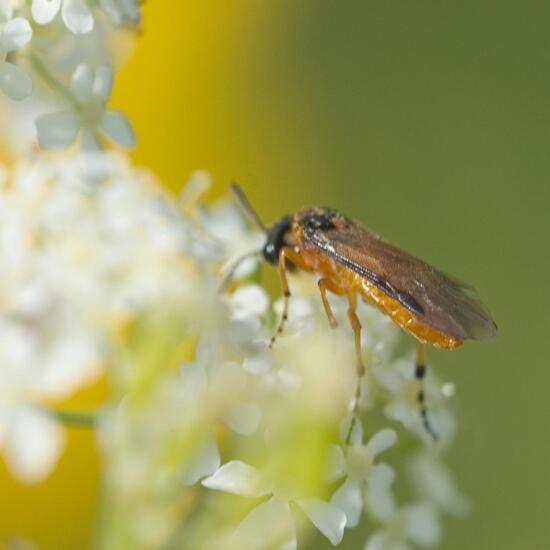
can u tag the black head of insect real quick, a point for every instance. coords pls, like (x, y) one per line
(277, 236)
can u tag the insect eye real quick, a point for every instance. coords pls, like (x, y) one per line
(276, 240)
(270, 253)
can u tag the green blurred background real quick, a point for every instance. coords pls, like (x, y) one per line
(429, 121)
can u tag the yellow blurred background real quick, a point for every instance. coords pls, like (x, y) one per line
(430, 122)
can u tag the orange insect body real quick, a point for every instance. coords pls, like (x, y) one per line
(345, 282)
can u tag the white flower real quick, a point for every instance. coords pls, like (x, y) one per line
(78, 262)
(15, 32)
(399, 381)
(248, 302)
(357, 464)
(91, 90)
(433, 482)
(75, 14)
(417, 524)
(224, 385)
(271, 522)
(32, 442)
(225, 223)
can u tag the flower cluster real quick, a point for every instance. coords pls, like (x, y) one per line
(79, 261)
(56, 53)
(269, 427)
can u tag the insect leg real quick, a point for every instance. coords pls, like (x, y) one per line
(356, 326)
(324, 285)
(419, 374)
(285, 251)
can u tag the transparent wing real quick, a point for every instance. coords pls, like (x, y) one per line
(441, 301)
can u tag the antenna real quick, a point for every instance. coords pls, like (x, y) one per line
(247, 207)
(253, 215)
(224, 283)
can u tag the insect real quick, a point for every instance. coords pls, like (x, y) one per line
(352, 261)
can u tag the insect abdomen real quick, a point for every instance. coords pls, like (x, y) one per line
(404, 318)
(344, 281)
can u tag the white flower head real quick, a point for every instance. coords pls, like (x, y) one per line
(357, 464)
(91, 90)
(32, 443)
(434, 483)
(79, 261)
(239, 246)
(218, 390)
(15, 33)
(272, 520)
(416, 524)
(76, 15)
(398, 380)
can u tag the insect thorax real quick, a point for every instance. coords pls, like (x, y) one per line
(317, 218)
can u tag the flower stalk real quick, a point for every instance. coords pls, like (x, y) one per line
(79, 419)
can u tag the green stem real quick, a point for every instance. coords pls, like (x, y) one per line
(73, 418)
(47, 76)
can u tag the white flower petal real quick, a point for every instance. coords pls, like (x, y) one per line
(97, 165)
(379, 498)
(57, 130)
(356, 436)
(382, 440)
(300, 310)
(434, 482)
(89, 143)
(77, 16)
(269, 525)
(15, 34)
(448, 390)
(244, 418)
(423, 525)
(6, 10)
(117, 127)
(238, 478)
(348, 498)
(15, 82)
(206, 462)
(291, 544)
(34, 445)
(241, 267)
(404, 413)
(103, 82)
(44, 11)
(69, 364)
(195, 378)
(336, 463)
(260, 362)
(377, 541)
(389, 379)
(82, 82)
(329, 519)
(249, 301)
